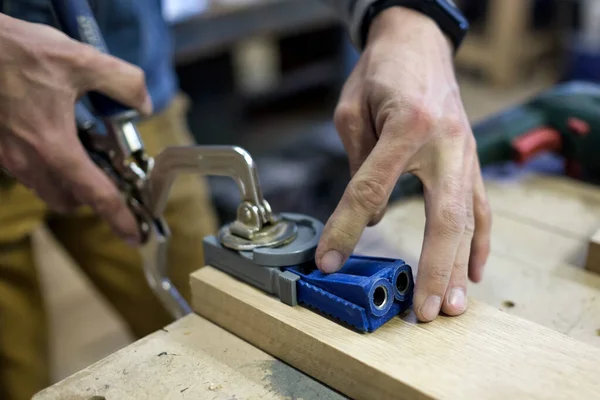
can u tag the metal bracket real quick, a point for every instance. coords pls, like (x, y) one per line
(271, 280)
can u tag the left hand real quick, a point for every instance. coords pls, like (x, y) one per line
(401, 112)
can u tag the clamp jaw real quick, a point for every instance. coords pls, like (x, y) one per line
(146, 184)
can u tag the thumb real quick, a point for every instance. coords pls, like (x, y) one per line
(117, 79)
(364, 198)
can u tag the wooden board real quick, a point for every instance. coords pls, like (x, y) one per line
(541, 225)
(530, 274)
(592, 262)
(189, 359)
(553, 203)
(485, 353)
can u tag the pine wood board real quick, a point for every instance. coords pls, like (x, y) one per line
(484, 354)
(539, 280)
(592, 262)
(529, 282)
(565, 298)
(553, 203)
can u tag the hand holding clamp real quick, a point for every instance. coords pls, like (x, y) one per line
(274, 253)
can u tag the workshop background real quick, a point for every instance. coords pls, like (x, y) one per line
(266, 75)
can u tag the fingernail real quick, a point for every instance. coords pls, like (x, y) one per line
(147, 106)
(331, 261)
(457, 299)
(431, 308)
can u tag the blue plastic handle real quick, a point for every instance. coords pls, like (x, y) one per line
(76, 19)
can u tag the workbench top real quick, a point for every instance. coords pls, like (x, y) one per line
(189, 359)
(539, 241)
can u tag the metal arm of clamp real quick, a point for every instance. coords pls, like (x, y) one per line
(154, 258)
(253, 213)
(256, 226)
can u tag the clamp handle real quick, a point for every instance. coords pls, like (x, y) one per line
(76, 19)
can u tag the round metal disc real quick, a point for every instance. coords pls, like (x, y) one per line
(282, 232)
(297, 251)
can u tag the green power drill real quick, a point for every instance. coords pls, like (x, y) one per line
(564, 120)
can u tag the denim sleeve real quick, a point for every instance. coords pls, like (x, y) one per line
(134, 30)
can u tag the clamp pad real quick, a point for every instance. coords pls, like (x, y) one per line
(298, 251)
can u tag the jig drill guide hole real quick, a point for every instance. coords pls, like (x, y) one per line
(402, 282)
(380, 296)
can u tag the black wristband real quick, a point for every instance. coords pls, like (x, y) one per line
(447, 16)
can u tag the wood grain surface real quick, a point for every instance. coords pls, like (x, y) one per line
(484, 354)
(189, 359)
(520, 344)
(592, 262)
(535, 289)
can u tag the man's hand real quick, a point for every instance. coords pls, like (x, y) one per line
(401, 112)
(42, 74)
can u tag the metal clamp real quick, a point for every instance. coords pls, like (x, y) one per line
(255, 225)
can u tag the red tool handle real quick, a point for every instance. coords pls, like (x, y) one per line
(534, 142)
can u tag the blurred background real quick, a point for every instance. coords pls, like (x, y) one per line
(266, 75)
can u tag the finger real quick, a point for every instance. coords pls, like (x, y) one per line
(91, 186)
(31, 173)
(51, 189)
(120, 80)
(480, 247)
(353, 124)
(445, 211)
(364, 197)
(378, 217)
(455, 300)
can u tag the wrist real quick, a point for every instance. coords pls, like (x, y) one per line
(406, 24)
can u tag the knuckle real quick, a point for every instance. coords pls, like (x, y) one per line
(439, 275)
(16, 164)
(107, 204)
(419, 115)
(471, 143)
(140, 91)
(454, 127)
(85, 58)
(469, 223)
(453, 217)
(347, 117)
(140, 78)
(340, 234)
(50, 150)
(453, 186)
(482, 208)
(369, 195)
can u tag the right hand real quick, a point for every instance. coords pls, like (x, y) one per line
(42, 74)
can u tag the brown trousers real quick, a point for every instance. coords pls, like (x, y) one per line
(113, 266)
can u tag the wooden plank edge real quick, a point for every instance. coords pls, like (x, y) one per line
(592, 262)
(288, 334)
(258, 329)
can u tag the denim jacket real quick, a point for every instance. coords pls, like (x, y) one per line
(134, 30)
